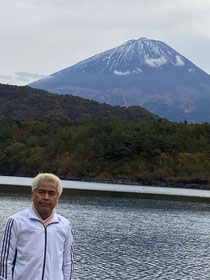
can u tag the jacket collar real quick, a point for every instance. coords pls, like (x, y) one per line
(33, 216)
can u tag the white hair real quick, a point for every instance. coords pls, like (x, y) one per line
(47, 177)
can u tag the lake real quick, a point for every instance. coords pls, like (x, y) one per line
(131, 238)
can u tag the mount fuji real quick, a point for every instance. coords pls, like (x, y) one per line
(143, 72)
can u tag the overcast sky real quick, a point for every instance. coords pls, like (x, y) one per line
(40, 37)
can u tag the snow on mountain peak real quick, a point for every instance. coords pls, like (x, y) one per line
(135, 53)
(179, 61)
(131, 58)
(155, 62)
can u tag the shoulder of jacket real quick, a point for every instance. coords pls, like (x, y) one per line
(64, 221)
(20, 215)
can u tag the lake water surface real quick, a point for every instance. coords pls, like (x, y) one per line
(127, 238)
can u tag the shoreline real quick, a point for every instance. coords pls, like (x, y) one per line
(185, 184)
(71, 187)
(194, 184)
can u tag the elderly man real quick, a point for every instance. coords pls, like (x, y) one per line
(37, 243)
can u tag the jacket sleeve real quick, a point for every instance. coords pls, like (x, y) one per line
(8, 244)
(68, 256)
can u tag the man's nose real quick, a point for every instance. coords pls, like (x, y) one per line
(46, 195)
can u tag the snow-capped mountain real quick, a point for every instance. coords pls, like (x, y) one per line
(141, 72)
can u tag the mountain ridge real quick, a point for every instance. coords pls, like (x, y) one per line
(25, 103)
(142, 72)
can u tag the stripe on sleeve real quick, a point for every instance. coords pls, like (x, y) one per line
(5, 247)
(72, 262)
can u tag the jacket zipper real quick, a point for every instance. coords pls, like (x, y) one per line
(45, 251)
(45, 248)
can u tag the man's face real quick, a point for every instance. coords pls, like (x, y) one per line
(45, 198)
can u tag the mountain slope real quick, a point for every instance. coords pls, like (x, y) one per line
(25, 103)
(141, 72)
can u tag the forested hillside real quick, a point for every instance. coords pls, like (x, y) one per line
(25, 103)
(147, 152)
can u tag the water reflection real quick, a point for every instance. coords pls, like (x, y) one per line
(128, 238)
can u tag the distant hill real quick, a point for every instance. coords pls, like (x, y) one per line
(25, 103)
(142, 72)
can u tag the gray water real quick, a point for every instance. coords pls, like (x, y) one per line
(127, 238)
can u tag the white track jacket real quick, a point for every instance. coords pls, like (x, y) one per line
(31, 251)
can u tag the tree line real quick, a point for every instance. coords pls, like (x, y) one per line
(106, 150)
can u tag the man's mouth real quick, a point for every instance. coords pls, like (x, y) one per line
(45, 204)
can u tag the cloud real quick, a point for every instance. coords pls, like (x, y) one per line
(24, 76)
(4, 77)
(21, 78)
(50, 35)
